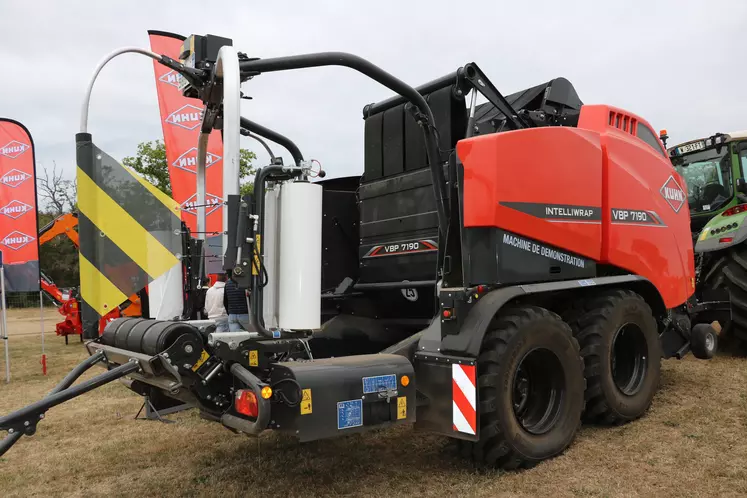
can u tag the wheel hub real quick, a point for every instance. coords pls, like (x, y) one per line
(628, 360)
(709, 342)
(538, 391)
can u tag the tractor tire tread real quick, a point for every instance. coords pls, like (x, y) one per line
(493, 450)
(589, 329)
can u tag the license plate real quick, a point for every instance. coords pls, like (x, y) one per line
(691, 147)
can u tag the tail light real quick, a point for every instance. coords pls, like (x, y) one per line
(726, 240)
(739, 208)
(246, 403)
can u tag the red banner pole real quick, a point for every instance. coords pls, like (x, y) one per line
(41, 319)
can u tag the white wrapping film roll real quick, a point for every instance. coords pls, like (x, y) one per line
(300, 249)
(269, 245)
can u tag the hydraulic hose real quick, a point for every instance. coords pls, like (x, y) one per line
(250, 68)
(263, 131)
(71, 377)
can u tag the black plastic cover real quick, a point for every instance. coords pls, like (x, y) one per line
(335, 385)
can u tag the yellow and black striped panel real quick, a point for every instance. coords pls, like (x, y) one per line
(130, 233)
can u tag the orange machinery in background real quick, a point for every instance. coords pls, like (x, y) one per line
(68, 305)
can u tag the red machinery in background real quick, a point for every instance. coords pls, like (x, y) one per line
(65, 299)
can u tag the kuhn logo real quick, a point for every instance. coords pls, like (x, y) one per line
(13, 149)
(188, 117)
(14, 178)
(171, 78)
(16, 240)
(673, 194)
(212, 203)
(15, 209)
(188, 160)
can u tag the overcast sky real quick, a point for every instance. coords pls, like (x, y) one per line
(677, 63)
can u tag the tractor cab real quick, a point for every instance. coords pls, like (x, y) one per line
(712, 169)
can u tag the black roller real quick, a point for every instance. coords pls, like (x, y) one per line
(135, 337)
(145, 336)
(124, 330)
(163, 334)
(110, 331)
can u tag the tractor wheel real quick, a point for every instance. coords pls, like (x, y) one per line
(531, 384)
(622, 355)
(735, 273)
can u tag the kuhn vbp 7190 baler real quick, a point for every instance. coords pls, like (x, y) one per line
(496, 272)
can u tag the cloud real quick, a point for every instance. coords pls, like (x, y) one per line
(672, 62)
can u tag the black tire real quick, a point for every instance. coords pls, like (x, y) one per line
(617, 325)
(533, 351)
(703, 341)
(735, 273)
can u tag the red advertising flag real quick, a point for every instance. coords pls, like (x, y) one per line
(18, 214)
(181, 118)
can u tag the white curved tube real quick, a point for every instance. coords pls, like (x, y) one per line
(227, 68)
(87, 98)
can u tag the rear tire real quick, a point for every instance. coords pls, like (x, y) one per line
(622, 356)
(735, 273)
(531, 384)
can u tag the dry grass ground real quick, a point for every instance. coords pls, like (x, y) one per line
(692, 443)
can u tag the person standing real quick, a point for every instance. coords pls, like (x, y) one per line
(214, 304)
(235, 302)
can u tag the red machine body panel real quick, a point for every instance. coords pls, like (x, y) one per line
(656, 244)
(597, 190)
(536, 170)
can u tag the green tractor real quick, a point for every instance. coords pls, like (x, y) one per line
(713, 169)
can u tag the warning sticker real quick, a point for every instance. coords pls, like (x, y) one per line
(253, 358)
(255, 263)
(349, 414)
(306, 402)
(401, 407)
(203, 358)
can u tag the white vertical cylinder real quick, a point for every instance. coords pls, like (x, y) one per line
(270, 244)
(300, 249)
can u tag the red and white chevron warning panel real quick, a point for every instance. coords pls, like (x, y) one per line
(464, 398)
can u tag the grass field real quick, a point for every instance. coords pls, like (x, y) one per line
(693, 442)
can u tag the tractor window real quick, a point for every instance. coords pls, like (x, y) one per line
(708, 176)
(648, 136)
(743, 157)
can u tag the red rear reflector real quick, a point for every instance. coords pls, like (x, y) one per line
(246, 403)
(726, 240)
(739, 208)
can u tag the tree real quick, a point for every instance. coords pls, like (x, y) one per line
(61, 195)
(150, 162)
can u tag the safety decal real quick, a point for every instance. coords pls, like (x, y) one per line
(306, 407)
(349, 414)
(464, 398)
(673, 194)
(379, 383)
(401, 407)
(253, 358)
(203, 358)
(130, 232)
(636, 217)
(402, 248)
